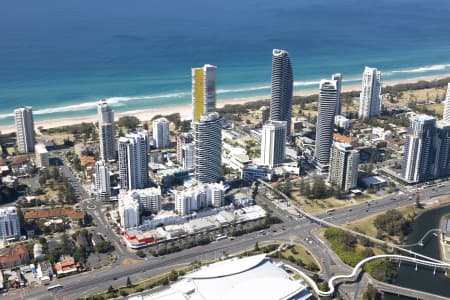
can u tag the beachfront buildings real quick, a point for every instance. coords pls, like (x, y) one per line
(344, 166)
(203, 91)
(133, 160)
(42, 160)
(102, 181)
(325, 123)
(208, 148)
(161, 133)
(446, 116)
(128, 211)
(198, 197)
(183, 139)
(282, 88)
(107, 133)
(338, 78)
(370, 97)
(418, 148)
(24, 124)
(9, 224)
(273, 143)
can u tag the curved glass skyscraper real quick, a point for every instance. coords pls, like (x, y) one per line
(208, 148)
(282, 88)
(325, 122)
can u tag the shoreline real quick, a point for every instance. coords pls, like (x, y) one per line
(185, 109)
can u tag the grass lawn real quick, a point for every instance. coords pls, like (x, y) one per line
(366, 226)
(296, 252)
(318, 206)
(299, 252)
(59, 137)
(422, 96)
(129, 261)
(437, 107)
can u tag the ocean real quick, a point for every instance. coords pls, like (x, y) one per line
(60, 57)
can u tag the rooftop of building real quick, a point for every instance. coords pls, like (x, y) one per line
(373, 180)
(87, 160)
(54, 213)
(279, 52)
(66, 264)
(8, 210)
(40, 148)
(342, 138)
(253, 277)
(19, 160)
(14, 254)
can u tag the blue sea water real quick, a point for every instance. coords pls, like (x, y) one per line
(62, 56)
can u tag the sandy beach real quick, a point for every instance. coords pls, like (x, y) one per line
(185, 109)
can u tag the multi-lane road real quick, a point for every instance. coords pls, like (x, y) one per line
(297, 229)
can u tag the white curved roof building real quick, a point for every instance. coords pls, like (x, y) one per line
(254, 277)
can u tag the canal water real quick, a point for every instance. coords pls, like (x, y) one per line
(424, 279)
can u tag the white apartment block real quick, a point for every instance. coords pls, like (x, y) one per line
(161, 133)
(149, 199)
(198, 197)
(370, 97)
(273, 143)
(133, 160)
(128, 211)
(102, 180)
(42, 160)
(24, 124)
(187, 156)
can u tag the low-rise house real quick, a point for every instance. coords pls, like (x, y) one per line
(20, 165)
(15, 279)
(11, 181)
(66, 265)
(87, 161)
(17, 256)
(44, 271)
(38, 251)
(395, 144)
(342, 138)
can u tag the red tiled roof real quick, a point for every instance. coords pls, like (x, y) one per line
(87, 160)
(15, 254)
(342, 138)
(19, 160)
(54, 213)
